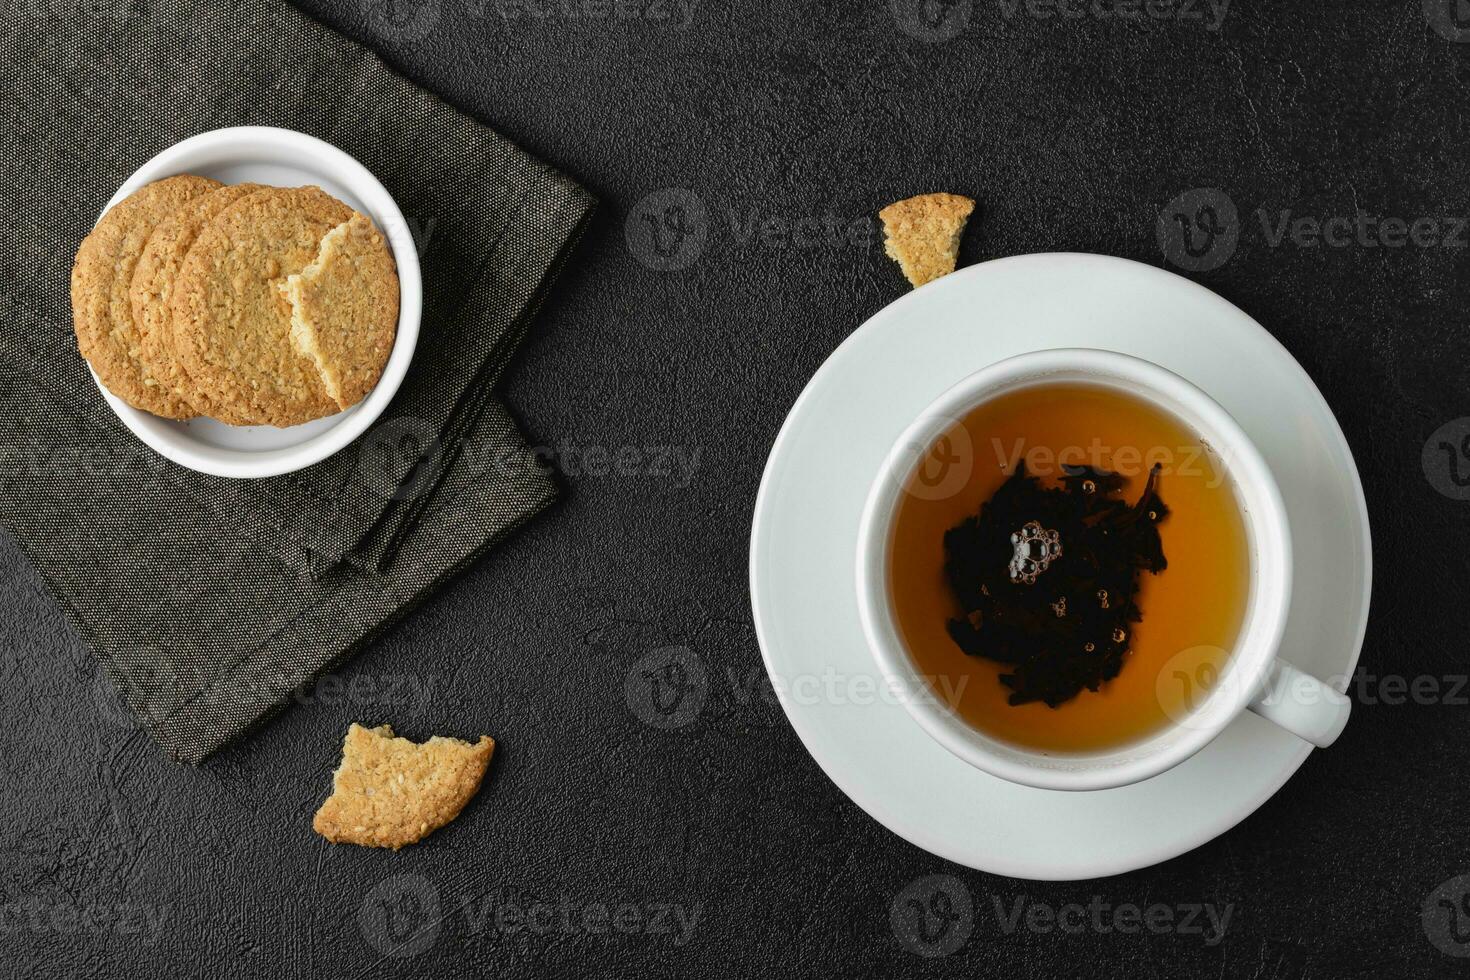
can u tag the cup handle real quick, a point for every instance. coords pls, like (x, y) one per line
(1301, 704)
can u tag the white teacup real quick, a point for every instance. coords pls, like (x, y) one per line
(1252, 677)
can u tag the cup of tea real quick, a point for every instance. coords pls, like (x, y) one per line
(999, 640)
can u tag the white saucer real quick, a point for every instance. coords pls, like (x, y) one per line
(804, 545)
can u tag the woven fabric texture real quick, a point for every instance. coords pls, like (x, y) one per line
(209, 601)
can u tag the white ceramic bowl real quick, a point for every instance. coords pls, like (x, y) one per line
(280, 157)
(1254, 677)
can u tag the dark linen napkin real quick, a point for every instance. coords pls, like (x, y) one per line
(211, 601)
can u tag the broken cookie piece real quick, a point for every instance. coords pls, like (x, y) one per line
(922, 234)
(344, 309)
(389, 791)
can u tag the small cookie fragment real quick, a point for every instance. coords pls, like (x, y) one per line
(922, 234)
(344, 309)
(102, 312)
(389, 791)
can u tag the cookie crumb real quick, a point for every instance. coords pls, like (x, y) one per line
(922, 234)
(389, 791)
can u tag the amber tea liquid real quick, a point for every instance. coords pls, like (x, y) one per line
(1198, 601)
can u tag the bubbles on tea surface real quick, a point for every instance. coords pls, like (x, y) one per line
(1060, 607)
(1035, 549)
(1102, 598)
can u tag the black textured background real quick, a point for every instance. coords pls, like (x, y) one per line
(1073, 133)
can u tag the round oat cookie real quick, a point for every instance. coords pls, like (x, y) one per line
(232, 325)
(102, 314)
(152, 282)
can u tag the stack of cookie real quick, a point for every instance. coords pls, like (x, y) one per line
(248, 304)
